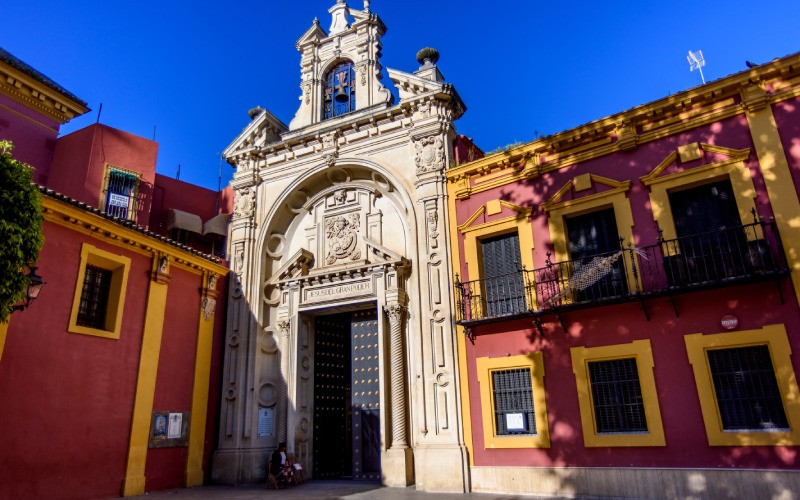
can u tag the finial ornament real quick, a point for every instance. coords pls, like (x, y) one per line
(366, 5)
(428, 56)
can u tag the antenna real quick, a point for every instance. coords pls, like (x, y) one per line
(219, 179)
(178, 175)
(696, 62)
(98, 113)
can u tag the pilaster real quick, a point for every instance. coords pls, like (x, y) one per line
(202, 371)
(134, 482)
(776, 173)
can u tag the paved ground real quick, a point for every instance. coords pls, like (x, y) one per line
(349, 490)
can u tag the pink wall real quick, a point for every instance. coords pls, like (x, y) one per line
(687, 445)
(80, 159)
(33, 134)
(755, 305)
(173, 193)
(166, 467)
(66, 400)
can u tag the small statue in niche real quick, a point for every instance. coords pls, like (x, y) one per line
(163, 265)
(342, 235)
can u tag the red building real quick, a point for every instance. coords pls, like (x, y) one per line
(109, 380)
(628, 297)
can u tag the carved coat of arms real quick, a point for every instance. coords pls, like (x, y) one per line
(341, 233)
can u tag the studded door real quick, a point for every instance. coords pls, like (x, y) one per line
(332, 416)
(366, 434)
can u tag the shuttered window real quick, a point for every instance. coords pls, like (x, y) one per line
(710, 207)
(513, 402)
(617, 396)
(591, 235)
(502, 275)
(746, 389)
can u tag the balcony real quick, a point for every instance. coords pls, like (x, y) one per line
(742, 254)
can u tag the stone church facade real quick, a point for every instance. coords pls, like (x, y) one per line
(340, 339)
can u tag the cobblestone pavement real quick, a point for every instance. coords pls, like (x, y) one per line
(323, 489)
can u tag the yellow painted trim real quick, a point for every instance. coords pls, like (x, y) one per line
(78, 219)
(639, 349)
(134, 481)
(743, 190)
(120, 267)
(202, 374)
(613, 198)
(555, 202)
(3, 334)
(472, 218)
(36, 95)
(688, 109)
(461, 343)
(780, 188)
(773, 336)
(474, 234)
(532, 361)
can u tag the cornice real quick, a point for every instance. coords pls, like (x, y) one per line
(38, 96)
(626, 130)
(79, 219)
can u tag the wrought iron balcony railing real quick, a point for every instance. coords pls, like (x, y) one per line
(746, 253)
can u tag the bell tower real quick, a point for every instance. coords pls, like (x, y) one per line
(340, 227)
(354, 38)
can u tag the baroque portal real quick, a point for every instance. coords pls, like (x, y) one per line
(340, 337)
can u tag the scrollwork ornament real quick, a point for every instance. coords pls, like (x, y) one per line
(430, 154)
(245, 204)
(341, 234)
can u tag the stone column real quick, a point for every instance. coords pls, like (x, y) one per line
(283, 387)
(396, 314)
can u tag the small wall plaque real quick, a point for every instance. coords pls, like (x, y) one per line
(169, 429)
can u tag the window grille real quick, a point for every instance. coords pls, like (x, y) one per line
(747, 391)
(617, 396)
(513, 402)
(94, 297)
(121, 193)
(340, 91)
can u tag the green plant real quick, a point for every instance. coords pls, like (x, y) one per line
(21, 235)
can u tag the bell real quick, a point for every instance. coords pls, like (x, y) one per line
(341, 95)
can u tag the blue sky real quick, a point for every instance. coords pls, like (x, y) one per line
(193, 69)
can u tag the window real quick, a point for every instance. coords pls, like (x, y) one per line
(747, 392)
(712, 244)
(120, 195)
(747, 387)
(94, 297)
(340, 91)
(100, 290)
(617, 395)
(593, 235)
(503, 283)
(513, 404)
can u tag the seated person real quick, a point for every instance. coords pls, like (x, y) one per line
(280, 466)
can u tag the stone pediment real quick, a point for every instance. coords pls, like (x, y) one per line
(297, 266)
(313, 35)
(582, 183)
(410, 86)
(262, 130)
(691, 152)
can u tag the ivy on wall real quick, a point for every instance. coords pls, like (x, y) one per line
(21, 235)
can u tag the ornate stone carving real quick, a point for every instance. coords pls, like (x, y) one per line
(430, 154)
(283, 326)
(340, 196)
(245, 203)
(238, 259)
(209, 306)
(163, 265)
(341, 235)
(433, 223)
